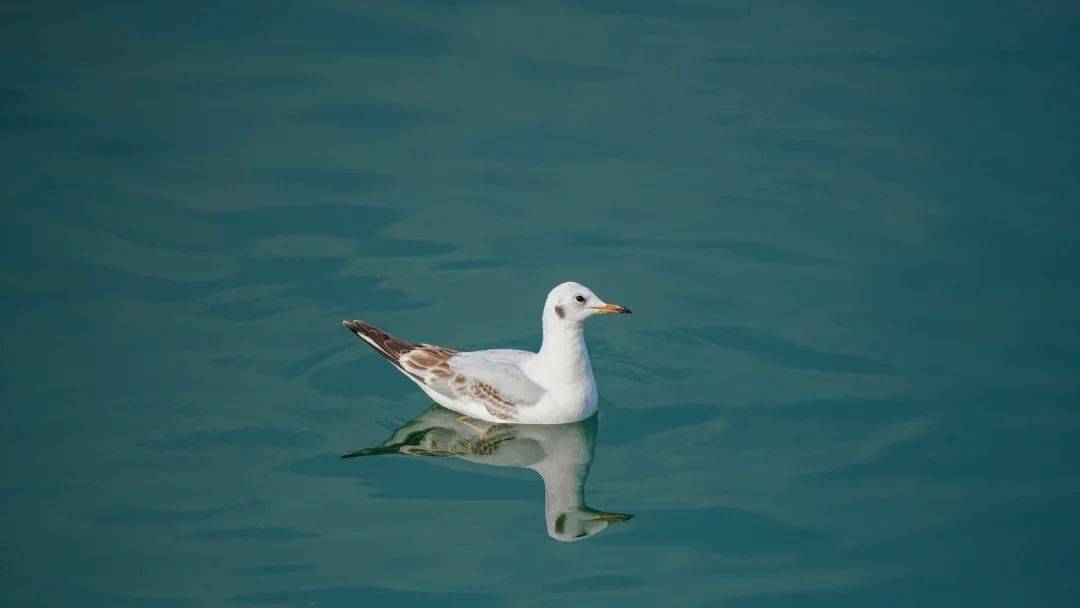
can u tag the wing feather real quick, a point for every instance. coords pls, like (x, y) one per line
(493, 379)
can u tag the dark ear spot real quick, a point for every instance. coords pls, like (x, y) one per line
(560, 312)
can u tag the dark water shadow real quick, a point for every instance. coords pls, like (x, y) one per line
(350, 597)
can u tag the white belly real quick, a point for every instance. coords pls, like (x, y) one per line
(556, 407)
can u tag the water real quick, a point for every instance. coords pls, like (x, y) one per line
(847, 231)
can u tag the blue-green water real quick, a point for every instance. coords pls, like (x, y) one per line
(848, 232)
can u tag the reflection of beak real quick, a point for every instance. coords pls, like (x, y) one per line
(612, 308)
(612, 517)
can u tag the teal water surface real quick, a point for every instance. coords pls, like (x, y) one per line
(848, 232)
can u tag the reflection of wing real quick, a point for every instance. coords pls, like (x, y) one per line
(560, 453)
(407, 445)
(441, 432)
(492, 378)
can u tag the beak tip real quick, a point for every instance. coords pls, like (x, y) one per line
(612, 309)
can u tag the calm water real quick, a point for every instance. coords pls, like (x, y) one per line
(848, 232)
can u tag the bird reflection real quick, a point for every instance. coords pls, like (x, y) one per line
(560, 453)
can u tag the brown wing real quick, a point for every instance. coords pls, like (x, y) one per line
(430, 365)
(388, 346)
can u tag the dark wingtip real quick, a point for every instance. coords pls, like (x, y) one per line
(352, 326)
(375, 451)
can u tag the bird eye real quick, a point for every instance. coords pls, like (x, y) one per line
(579, 298)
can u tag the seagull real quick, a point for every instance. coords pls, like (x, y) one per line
(553, 386)
(560, 453)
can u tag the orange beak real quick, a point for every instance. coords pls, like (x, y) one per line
(608, 309)
(612, 517)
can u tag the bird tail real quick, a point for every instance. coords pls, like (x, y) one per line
(409, 446)
(375, 451)
(388, 346)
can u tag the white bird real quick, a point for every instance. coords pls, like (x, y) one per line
(553, 386)
(560, 453)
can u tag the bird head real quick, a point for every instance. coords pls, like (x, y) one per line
(572, 302)
(581, 523)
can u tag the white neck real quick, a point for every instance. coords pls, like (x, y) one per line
(564, 487)
(563, 356)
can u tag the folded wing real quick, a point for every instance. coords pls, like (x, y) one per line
(492, 379)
